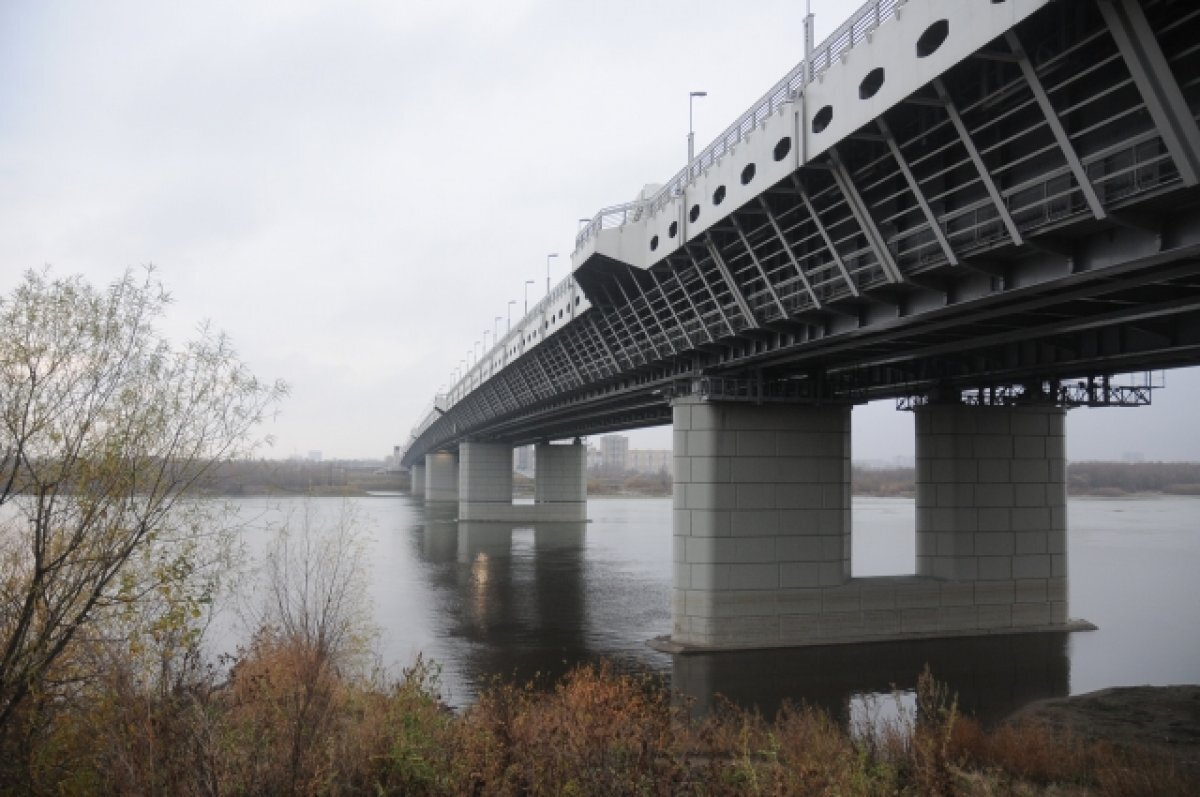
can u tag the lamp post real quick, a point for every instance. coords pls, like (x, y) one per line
(691, 132)
(496, 330)
(527, 284)
(511, 302)
(548, 271)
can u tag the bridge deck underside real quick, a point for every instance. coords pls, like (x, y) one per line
(1027, 215)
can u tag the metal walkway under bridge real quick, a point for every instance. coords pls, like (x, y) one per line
(983, 198)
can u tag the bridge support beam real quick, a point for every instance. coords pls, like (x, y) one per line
(762, 523)
(992, 515)
(560, 482)
(762, 528)
(416, 486)
(485, 484)
(485, 481)
(441, 477)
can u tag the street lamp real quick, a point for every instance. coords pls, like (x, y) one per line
(485, 334)
(527, 284)
(511, 302)
(548, 272)
(495, 331)
(691, 132)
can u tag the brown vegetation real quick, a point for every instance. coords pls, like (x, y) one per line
(283, 724)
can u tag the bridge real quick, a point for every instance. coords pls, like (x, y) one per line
(986, 210)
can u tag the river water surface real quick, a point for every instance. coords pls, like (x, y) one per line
(486, 600)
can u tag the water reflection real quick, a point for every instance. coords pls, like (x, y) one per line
(514, 600)
(513, 592)
(993, 675)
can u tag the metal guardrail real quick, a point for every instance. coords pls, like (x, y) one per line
(862, 22)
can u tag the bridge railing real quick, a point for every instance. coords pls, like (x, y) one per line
(862, 22)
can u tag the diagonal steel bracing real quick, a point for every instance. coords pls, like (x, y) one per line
(650, 309)
(821, 228)
(734, 288)
(973, 152)
(934, 225)
(763, 272)
(709, 288)
(674, 316)
(1160, 91)
(1055, 124)
(604, 343)
(854, 200)
(692, 304)
(628, 331)
(638, 318)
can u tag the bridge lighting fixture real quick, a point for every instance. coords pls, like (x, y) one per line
(527, 284)
(511, 302)
(548, 271)
(691, 132)
(496, 330)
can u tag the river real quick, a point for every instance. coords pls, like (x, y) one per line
(486, 600)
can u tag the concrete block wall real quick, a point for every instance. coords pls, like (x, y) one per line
(485, 481)
(441, 477)
(762, 528)
(761, 519)
(560, 482)
(417, 480)
(992, 508)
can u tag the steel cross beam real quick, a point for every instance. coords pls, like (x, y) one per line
(1055, 124)
(692, 304)
(742, 304)
(812, 212)
(763, 272)
(862, 215)
(636, 317)
(1156, 83)
(566, 355)
(678, 321)
(650, 309)
(711, 292)
(604, 343)
(628, 329)
(617, 341)
(965, 137)
(934, 226)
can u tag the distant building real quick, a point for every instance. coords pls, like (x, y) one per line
(651, 460)
(314, 456)
(614, 453)
(594, 458)
(525, 460)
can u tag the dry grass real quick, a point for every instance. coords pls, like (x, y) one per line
(284, 722)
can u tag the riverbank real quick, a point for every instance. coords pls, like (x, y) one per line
(286, 721)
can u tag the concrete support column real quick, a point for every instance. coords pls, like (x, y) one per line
(485, 481)
(441, 477)
(560, 482)
(992, 514)
(417, 480)
(761, 524)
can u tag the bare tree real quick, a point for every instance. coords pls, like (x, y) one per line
(105, 428)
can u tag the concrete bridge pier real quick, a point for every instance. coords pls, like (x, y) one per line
(992, 514)
(417, 481)
(485, 484)
(485, 481)
(761, 523)
(441, 477)
(762, 527)
(560, 482)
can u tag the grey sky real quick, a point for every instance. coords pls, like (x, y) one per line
(355, 190)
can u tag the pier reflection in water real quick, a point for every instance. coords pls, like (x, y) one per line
(521, 600)
(488, 600)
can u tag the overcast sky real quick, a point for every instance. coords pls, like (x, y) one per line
(354, 191)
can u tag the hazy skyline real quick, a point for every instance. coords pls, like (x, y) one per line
(355, 191)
